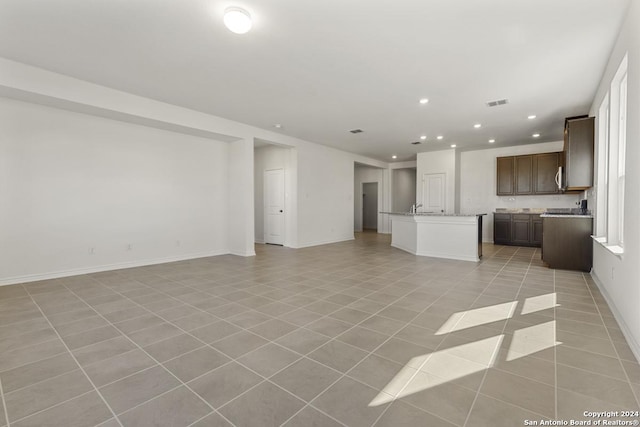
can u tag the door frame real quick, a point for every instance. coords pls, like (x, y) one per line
(362, 204)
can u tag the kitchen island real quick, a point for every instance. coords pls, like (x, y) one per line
(453, 236)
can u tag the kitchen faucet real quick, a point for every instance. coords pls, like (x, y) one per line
(415, 207)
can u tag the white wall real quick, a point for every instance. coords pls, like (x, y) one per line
(325, 195)
(70, 182)
(438, 162)
(364, 174)
(268, 158)
(478, 176)
(321, 178)
(619, 277)
(403, 194)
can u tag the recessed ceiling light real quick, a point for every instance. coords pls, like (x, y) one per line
(237, 20)
(477, 125)
(491, 141)
(439, 137)
(394, 157)
(423, 137)
(277, 126)
(424, 101)
(531, 117)
(453, 146)
(536, 135)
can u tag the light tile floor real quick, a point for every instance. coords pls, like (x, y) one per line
(354, 334)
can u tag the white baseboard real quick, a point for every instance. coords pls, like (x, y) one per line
(243, 253)
(633, 344)
(324, 242)
(107, 267)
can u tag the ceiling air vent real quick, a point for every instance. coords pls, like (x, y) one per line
(416, 143)
(497, 102)
(356, 131)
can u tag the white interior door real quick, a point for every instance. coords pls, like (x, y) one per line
(274, 206)
(433, 192)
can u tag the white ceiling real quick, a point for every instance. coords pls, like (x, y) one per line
(323, 67)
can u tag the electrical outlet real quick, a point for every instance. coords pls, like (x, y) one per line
(92, 251)
(177, 243)
(129, 246)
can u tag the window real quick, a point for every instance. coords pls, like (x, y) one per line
(603, 168)
(612, 139)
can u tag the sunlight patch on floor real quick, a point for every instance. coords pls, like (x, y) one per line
(478, 316)
(432, 369)
(539, 303)
(532, 339)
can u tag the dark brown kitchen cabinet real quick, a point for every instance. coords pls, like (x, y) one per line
(532, 174)
(567, 243)
(536, 230)
(578, 153)
(501, 229)
(545, 170)
(524, 175)
(506, 176)
(520, 229)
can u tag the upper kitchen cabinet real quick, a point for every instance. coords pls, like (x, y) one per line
(578, 153)
(506, 176)
(524, 175)
(528, 175)
(545, 171)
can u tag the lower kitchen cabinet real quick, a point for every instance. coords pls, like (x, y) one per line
(501, 229)
(566, 243)
(520, 229)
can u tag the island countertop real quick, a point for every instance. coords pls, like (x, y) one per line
(431, 214)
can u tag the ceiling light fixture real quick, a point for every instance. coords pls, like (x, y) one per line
(424, 101)
(277, 126)
(237, 20)
(477, 125)
(394, 157)
(491, 141)
(439, 137)
(531, 117)
(536, 135)
(423, 137)
(453, 145)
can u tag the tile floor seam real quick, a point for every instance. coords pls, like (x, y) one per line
(484, 376)
(77, 363)
(181, 383)
(513, 404)
(35, 361)
(615, 349)
(4, 403)
(380, 345)
(586, 396)
(53, 406)
(206, 416)
(391, 280)
(209, 345)
(40, 381)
